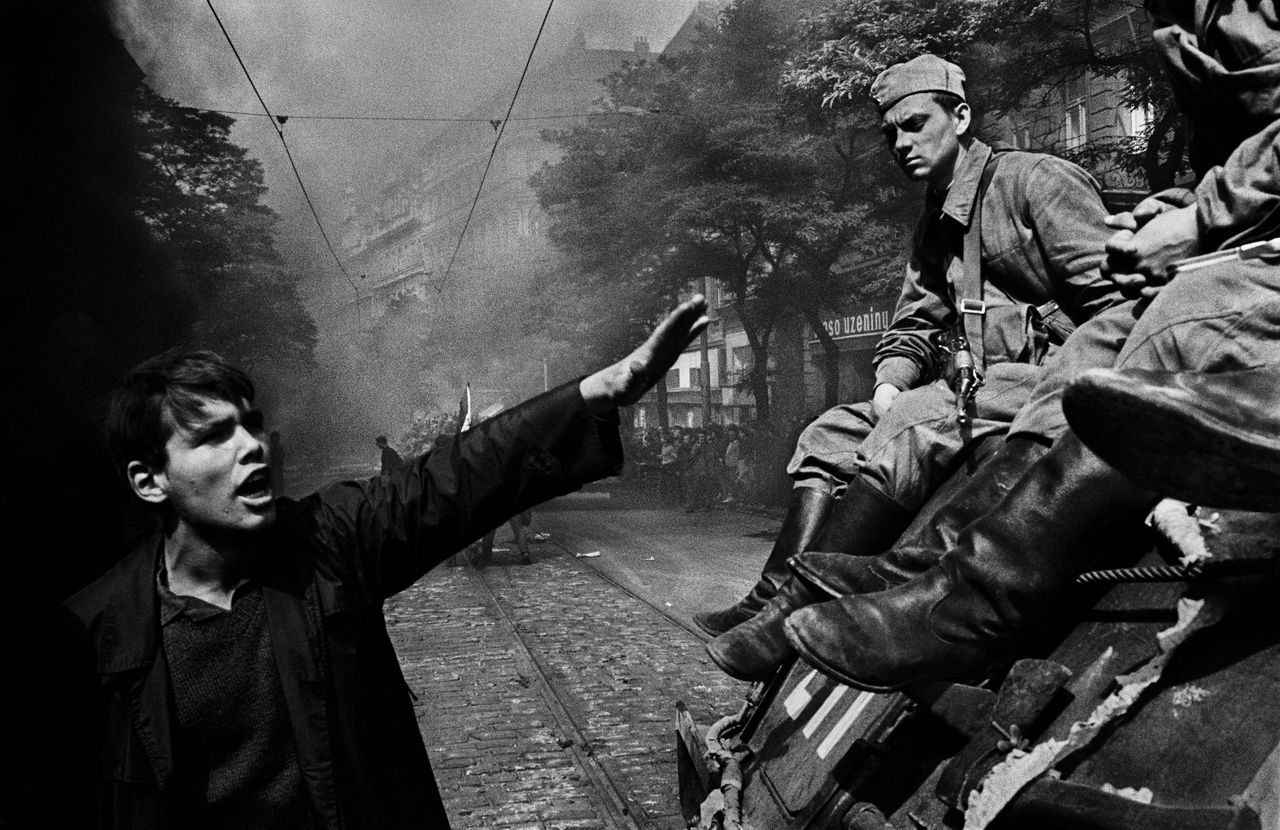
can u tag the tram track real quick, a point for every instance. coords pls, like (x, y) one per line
(604, 575)
(615, 804)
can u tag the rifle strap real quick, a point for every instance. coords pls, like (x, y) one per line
(969, 303)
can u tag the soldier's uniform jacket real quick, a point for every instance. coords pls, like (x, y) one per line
(1042, 239)
(1223, 59)
(327, 566)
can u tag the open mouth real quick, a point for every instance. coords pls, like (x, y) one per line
(256, 486)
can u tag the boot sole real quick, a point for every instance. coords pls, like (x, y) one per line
(703, 622)
(732, 671)
(1218, 469)
(812, 658)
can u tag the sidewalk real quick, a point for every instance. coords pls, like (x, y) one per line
(553, 706)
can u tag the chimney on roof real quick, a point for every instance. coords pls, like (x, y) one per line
(641, 46)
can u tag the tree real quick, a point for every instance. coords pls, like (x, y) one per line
(201, 196)
(1017, 52)
(717, 174)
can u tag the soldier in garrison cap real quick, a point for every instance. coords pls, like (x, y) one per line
(1004, 264)
(1201, 352)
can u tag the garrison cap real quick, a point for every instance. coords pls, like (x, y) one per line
(926, 73)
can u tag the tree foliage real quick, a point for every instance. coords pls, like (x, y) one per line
(201, 196)
(717, 174)
(1018, 53)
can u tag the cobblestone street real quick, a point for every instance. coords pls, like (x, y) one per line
(546, 692)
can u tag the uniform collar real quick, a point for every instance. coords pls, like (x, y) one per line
(963, 192)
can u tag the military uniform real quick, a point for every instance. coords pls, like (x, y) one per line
(1042, 238)
(1225, 317)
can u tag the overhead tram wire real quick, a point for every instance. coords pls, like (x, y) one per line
(410, 118)
(502, 128)
(278, 127)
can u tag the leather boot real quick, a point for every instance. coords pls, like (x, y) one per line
(805, 514)
(954, 620)
(863, 522)
(754, 650)
(935, 529)
(1207, 438)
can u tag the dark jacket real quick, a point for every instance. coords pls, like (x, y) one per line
(326, 567)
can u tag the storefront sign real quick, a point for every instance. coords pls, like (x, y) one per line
(869, 321)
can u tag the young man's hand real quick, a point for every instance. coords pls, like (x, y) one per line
(625, 381)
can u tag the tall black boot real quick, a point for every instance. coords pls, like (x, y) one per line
(954, 620)
(805, 514)
(1208, 438)
(935, 530)
(754, 650)
(863, 522)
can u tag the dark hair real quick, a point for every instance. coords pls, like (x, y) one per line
(380, 440)
(947, 100)
(175, 382)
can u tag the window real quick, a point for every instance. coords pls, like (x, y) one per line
(673, 378)
(1075, 131)
(695, 377)
(1140, 119)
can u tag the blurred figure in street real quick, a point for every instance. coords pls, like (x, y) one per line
(729, 477)
(391, 460)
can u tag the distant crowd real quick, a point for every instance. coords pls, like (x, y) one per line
(697, 467)
(689, 467)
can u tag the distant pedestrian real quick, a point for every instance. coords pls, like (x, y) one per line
(275, 459)
(731, 475)
(391, 460)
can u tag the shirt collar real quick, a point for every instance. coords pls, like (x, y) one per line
(174, 605)
(964, 184)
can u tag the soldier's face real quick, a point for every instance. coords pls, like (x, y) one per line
(924, 138)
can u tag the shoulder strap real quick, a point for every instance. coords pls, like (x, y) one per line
(969, 301)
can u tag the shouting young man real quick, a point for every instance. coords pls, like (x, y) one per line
(243, 676)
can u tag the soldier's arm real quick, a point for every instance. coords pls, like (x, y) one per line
(905, 357)
(1236, 203)
(1069, 219)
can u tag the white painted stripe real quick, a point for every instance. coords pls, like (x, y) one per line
(827, 705)
(846, 720)
(799, 697)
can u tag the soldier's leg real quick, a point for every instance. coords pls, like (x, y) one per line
(920, 443)
(1006, 567)
(912, 450)
(1217, 319)
(1194, 404)
(824, 461)
(1095, 344)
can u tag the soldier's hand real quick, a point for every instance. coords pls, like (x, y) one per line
(1138, 259)
(1151, 207)
(625, 381)
(883, 398)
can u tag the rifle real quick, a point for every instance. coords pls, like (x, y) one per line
(965, 380)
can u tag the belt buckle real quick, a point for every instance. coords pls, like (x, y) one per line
(973, 307)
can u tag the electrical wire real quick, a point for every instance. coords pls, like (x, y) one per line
(302, 186)
(411, 118)
(493, 150)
